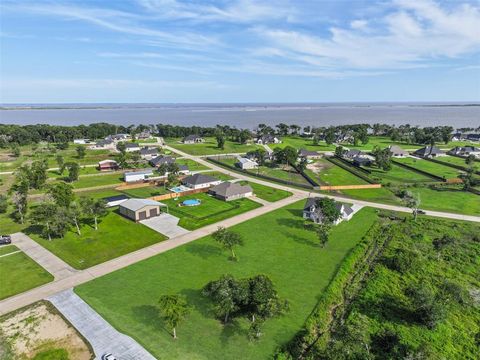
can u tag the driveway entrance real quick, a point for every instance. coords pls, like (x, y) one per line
(165, 224)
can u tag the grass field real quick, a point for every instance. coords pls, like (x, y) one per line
(289, 174)
(115, 236)
(19, 273)
(146, 192)
(266, 192)
(458, 161)
(431, 167)
(192, 165)
(210, 210)
(209, 147)
(279, 247)
(397, 175)
(331, 174)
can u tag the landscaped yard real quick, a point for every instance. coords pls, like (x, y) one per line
(431, 167)
(210, 210)
(19, 273)
(276, 244)
(209, 147)
(115, 236)
(266, 192)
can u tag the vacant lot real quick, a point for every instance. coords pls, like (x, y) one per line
(19, 273)
(459, 161)
(145, 192)
(115, 236)
(209, 147)
(266, 192)
(276, 244)
(210, 210)
(397, 175)
(192, 165)
(431, 167)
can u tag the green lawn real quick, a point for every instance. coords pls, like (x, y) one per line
(431, 167)
(266, 192)
(397, 175)
(456, 201)
(192, 165)
(219, 175)
(289, 174)
(279, 247)
(146, 192)
(209, 147)
(331, 174)
(84, 170)
(115, 236)
(211, 210)
(7, 249)
(19, 273)
(459, 161)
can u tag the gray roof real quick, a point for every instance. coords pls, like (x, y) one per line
(159, 160)
(148, 151)
(191, 137)
(243, 160)
(465, 149)
(141, 172)
(395, 149)
(352, 153)
(183, 167)
(428, 150)
(137, 204)
(104, 142)
(198, 179)
(131, 145)
(227, 189)
(305, 152)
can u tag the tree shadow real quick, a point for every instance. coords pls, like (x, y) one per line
(205, 251)
(232, 328)
(201, 303)
(296, 212)
(303, 240)
(390, 308)
(149, 315)
(33, 229)
(291, 223)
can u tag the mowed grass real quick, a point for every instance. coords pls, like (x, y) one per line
(267, 193)
(397, 175)
(7, 249)
(431, 167)
(278, 172)
(145, 192)
(19, 273)
(210, 210)
(331, 174)
(456, 201)
(276, 244)
(115, 236)
(192, 165)
(209, 147)
(459, 161)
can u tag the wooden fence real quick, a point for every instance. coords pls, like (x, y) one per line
(174, 195)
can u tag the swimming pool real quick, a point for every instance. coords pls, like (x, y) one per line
(191, 202)
(179, 189)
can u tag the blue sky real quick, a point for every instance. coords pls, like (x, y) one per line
(239, 51)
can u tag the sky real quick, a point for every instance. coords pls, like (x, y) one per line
(175, 51)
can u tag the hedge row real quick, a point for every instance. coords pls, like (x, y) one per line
(285, 182)
(314, 334)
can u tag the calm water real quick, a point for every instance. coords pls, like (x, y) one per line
(246, 115)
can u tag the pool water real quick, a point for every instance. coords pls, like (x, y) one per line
(179, 189)
(191, 202)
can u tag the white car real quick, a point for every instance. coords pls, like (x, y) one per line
(108, 356)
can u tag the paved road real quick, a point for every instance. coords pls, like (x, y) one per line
(80, 277)
(440, 214)
(50, 262)
(100, 334)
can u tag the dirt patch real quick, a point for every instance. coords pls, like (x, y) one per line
(317, 167)
(37, 328)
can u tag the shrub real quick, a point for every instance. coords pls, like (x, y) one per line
(3, 204)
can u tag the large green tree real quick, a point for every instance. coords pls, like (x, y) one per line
(61, 193)
(44, 214)
(94, 208)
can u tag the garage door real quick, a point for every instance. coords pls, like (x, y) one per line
(142, 215)
(153, 212)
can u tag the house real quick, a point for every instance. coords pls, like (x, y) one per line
(350, 154)
(304, 153)
(118, 137)
(465, 151)
(107, 165)
(473, 137)
(343, 138)
(268, 139)
(429, 151)
(81, 141)
(228, 191)
(200, 181)
(246, 163)
(183, 169)
(147, 153)
(397, 151)
(362, 161)
(134, 176)
(314, 213)
(192, 139)
(104, 145)
(140, 209)
(144, 135)
(162, 160)
(115, 200)
(132, 147)
(458, 137)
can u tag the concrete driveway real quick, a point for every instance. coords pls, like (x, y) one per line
(165, 224)
(99, 333)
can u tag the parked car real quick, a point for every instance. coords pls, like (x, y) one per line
(108, 356)
(5, 239)
(421, 212)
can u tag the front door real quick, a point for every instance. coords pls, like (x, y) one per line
(142, 215)
(153, 212)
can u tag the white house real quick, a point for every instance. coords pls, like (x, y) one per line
(268, 139)
(132, 147)
(200, 181)
(312, 212)
(81, 141)
(465, 151)
(246, 164)
(134, 176)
